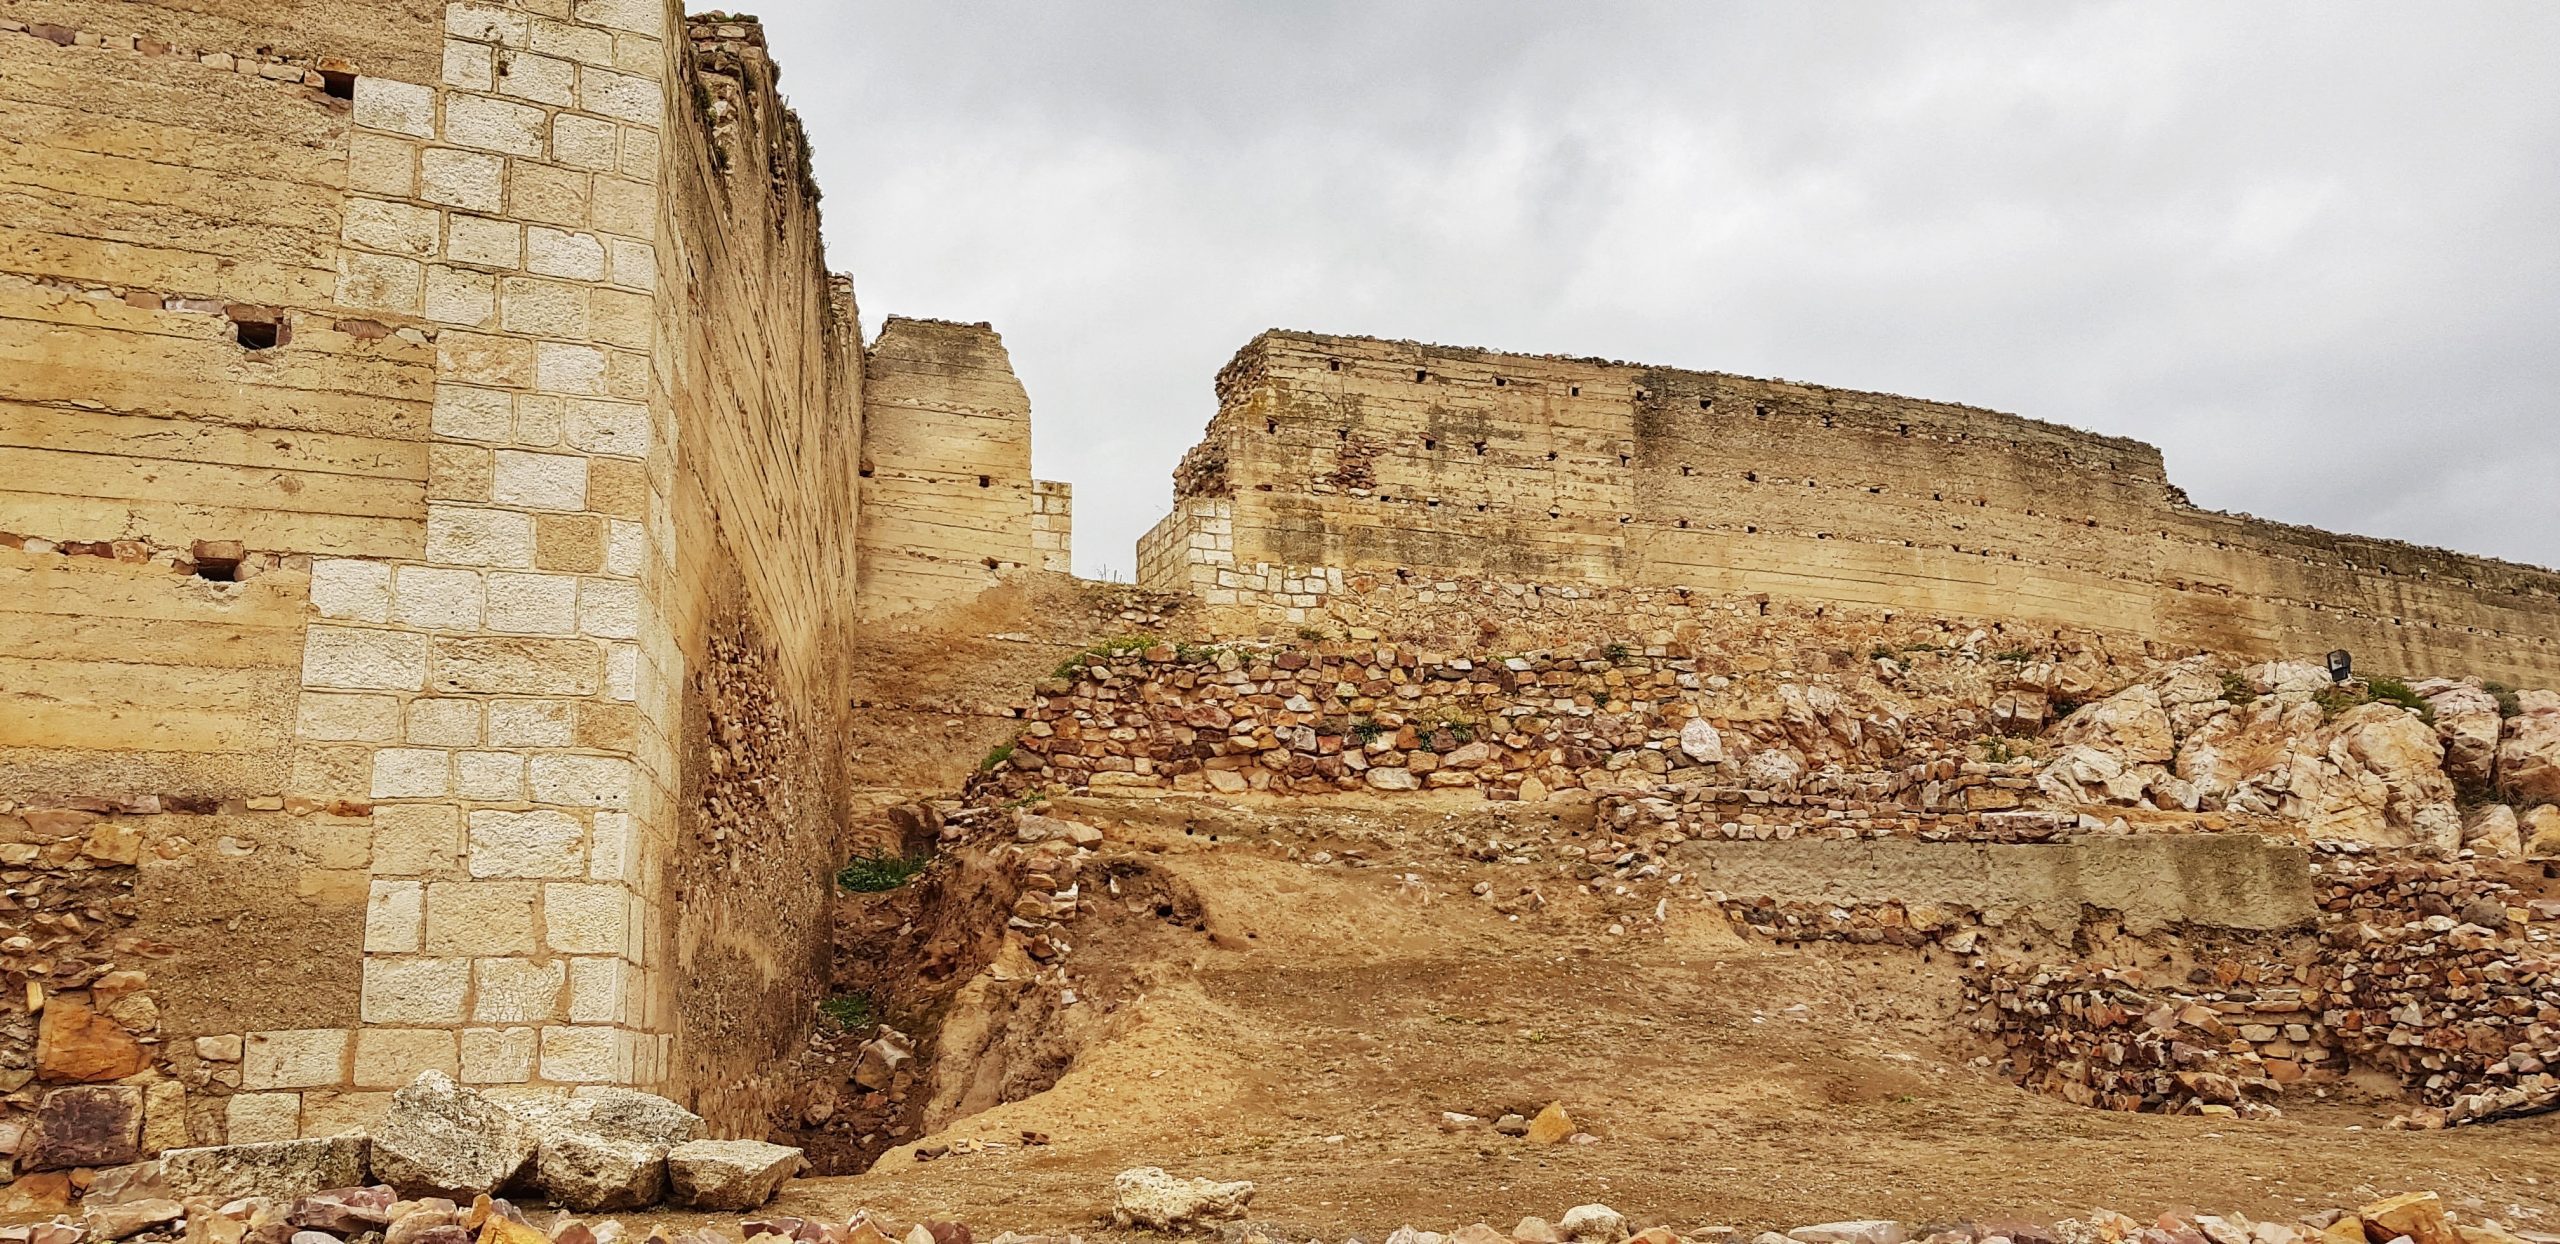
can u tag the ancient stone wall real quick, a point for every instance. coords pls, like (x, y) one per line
(949, 507)
(431, 553)
(1335, 454)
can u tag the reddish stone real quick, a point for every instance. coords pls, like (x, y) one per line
(76, 1043)
(89, 1126)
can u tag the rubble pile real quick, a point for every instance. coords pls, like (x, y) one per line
(1333, 716)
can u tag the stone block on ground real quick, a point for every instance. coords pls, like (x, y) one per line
(728, 1174)
(587, 1173)
(344, 1211)
(276, 1168)
(1147, 1197)
(98, 1125)
(1592, 1222)
(1860, 1231)
(124, 1218)
(618, 1114)
(441, 1139)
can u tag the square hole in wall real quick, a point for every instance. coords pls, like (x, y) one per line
(337, 85)
(260, 334)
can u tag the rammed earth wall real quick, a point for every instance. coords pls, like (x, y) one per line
(1332, 456)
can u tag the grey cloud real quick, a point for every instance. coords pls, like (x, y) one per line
(2311, 250)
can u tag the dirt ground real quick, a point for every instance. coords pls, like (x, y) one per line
(1311, 1035)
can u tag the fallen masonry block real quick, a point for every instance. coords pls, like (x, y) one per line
(587, 1173)
(1147, 1197)
(278, 1168)
(441, 1139)
(728, 1174)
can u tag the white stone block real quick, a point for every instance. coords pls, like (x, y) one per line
(540, 481)
(561, 253)
(581, 781)
(584, 142)
(542, 308)
(540, 843)
(326, 718)
(635, 264)
(256, 1118)
(622, 672)
(530, 723)
(352, 589)
(414, 991)
(571, 41)
(584, 919)
(595, 991)
(622, 96)
(578, 1055)
(612, 847)
(436, 598)
(460, 297)
(497, 1055)
(517, 991)
(393, 228)
(411, 773)
(363, 660)
(468, 414)
(492, 777)
(637, 16)
(533, 604)
(488, 124)
(608, 609)
(572, 370)
(471, 180)
(294, 1058)
(542, 79)
(626, 547)
(488, 23)
(395, 914)
(401, 107)
(469, 66)
(484, 243)
(380, 282)
(606, 427)
(460, 535)
(444, 721)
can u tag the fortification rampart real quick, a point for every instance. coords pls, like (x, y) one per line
(433, 550)
(1337, 454)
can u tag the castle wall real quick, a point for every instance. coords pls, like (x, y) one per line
(763, 368)
(1351, 454)
(946, 467)
(450, 672)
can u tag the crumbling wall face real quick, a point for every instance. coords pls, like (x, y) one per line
(753, 589)
(1351, 454)
(946, 467)
(1053, 525)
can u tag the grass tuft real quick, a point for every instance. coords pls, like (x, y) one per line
(875, 871)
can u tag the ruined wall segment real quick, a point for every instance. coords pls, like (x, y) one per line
(946, 466)
(762, 366)
(1341, 454)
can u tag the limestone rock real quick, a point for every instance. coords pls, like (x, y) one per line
(115, 1222)
(1537, 1231)
(280, 1168)
(877, 1062)
(344, 1211)
(74, 1042)
(1147, 1197)
(1700, 742)
(588, 1173)
(2540, 829)
(1864, 1231)
(2417, 1215)
(629, 1116)
(2494, 831)
(1382, 778)
(1551, 1127)
(728, 1174)
(2468, 722)
(1772, 770)
(2130, 726)
(2529, 754)
(99, 1125)
(1592, 1222)
(441, 1139)
(2383, 763)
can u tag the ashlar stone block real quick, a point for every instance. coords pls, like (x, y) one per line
(414, 991)
(540, 843)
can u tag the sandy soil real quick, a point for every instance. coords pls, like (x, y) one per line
(1310, 1037)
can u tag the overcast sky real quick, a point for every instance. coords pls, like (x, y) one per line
(2312, 251)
